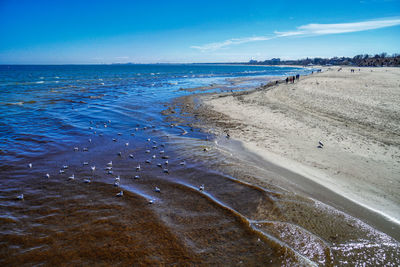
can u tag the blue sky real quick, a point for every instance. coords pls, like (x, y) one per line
(64, 32)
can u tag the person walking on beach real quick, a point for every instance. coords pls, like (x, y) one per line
(287, 80)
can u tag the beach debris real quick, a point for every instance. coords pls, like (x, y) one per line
(120, 194)
(30, 165)
(157, 190)
(20, 197)
(47, 175)
(201, 187)
(136, 129)
(72, 177)
(131, 156)
(320, 144)
(132, 134)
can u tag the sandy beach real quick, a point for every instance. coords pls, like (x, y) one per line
(356, 116)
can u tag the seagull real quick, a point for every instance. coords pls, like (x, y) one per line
(85, 163)
(138, 168)
(159, 165)
(201, 188)
(166, 162)
(148, 161)
(157, 190)
(182, 163)
(148, 139)
(85, 149)
(147, 151)
(110, 172)
(136, 129)
(165, 157)
(90, 140)
(109, 164)
(30, 165)
(154, 156)
(65, 167)
(108, 168)
(162, 152)
(120, 154)
(320, 143)
(151, 201)
(115, 140)
(90, 128)
(20, 197)
(87, 181)
(120, 194)
(165, 171)
(126, 144)
(154, 142)
(119, 133)
(93, 168)
(72, 177)
(47, 175)
(118, 178)
(154, 147)
(76, 148)
(131, 156)
(136, 177)
(61, 171)
(116, 183)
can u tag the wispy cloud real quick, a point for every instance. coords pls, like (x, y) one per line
(307, 30)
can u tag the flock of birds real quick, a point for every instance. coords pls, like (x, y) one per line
(109, 165)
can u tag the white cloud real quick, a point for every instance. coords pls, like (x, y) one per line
(307, 30)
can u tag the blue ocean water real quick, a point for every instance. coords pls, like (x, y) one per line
(43, 108)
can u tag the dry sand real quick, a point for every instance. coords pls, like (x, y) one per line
(355, 115)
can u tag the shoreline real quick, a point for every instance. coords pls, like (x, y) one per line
(355, 185)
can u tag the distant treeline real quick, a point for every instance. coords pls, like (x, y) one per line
(378, 60)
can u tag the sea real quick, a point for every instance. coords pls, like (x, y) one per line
(93, 173)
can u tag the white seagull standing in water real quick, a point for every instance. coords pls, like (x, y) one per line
(138, 168)
(120, 194)
(93, 168)
(30, 165)
(109, 164)
(47, 175)
(157, 190)
(201, 188)
(72, 177)
(20, 197)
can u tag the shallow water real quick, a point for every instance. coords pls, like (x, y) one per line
(113, 113)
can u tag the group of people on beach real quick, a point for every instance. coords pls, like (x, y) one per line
(291, 79)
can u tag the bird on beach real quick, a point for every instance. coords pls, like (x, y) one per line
(126, 144)
(85, 163)
(85, 149)
(87, 181)
(201, 188)
(65, 167)
(136, 177)
(148, 139)
(138, 168)
(166, 171)
(20, 197)
(115, 140)
(120, 154)
(72, 177)
(157, 190)
(90, 140)
(120, 194)
(131, 156)
(76, 148)
(30, 165)
(162, 152)
(182, 163)
(118, 178)
(166, 162)
(93, 168)
(61, 171)
(47, 175)
(159, 165)
(148, 161)
(147, 151)
(151, 201)
(109, 164)
(154, 156)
